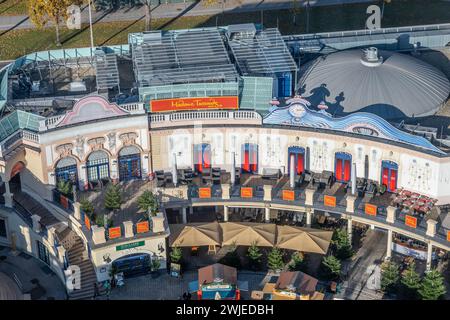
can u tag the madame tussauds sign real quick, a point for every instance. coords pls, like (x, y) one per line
(194, 104)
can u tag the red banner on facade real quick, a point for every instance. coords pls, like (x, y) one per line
(329, 201)
(411, 221)
(204, 193)
(247, 192)
(448, 235)
(87, 222)
(370, 209)
(142, 227)
(180, 104)
(288, 195)
(64, 201)
(114, 233)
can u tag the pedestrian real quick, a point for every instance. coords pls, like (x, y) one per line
(184, 296)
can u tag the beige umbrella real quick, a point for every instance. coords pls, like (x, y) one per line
(195, 234)
(303, 239)
(247, 233)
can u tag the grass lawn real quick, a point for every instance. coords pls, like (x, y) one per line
(13, 7)
(336, 18)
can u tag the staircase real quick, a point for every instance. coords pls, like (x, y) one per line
(77, 255)
(75, 250)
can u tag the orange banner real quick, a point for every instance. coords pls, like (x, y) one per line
(87, 222)
(179, 104)
(448, 235)
(114, 232)
(142, 227)
(246, 192)
(288, 195)
(204, 193)
(329, 201)
(370, 209)
(411, 221)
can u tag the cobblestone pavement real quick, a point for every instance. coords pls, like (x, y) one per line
(166, 287)
(27, 268)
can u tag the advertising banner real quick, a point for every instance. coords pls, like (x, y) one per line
(329, 201)
(246, 192)
(204, 193)
(370, 209)
(114, 233)
(288, 195)
(183, 104)
(411, 221)
(142, 227)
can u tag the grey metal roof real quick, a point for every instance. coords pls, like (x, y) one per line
(262, 53)
(107, 70)
(399, 86)
(164, 58)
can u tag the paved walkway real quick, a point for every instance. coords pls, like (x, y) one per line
(27, 270)
(166, 287)
(177, 10)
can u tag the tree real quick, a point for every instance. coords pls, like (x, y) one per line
(113, 198)
(87, 207)
(410, 280)
(342, 244)
(43, 11)
(65, 187)
(432, 287)
(390, 276)
(232, 258)
(275, 259)
(297, 261)
(254, 254)
(147, 202)
(176, 254)
(331, 267)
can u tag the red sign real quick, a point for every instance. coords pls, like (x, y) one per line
(411, 221)
(204, 193)
(329, 201)
(179, 104)
(114, 233)
(370, 209)
(288, 195)
(87, 222)
(64, 201)
(448, 235)
(246, 192)
(142, 227)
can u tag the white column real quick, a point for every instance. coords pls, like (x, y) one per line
(353, 176)
(8, 196)
(174, 170)
(349, 229)
(191, 210)
(114, 174)
(267, 214)
(233, 168)
(77, 211)
(429, 256)
(308, 218)
(183, 214)
(225, 213)
(292, 171)
(389, 245)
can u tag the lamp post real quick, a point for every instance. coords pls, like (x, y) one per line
(90, 26)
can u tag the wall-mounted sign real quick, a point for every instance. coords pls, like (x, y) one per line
(87, 222)
(411, 221)
(114, 233)
(448, 235)
(288, 195)
(130, 245)
(204, 193)
(246, 192)
(370, 209)
(180, 104)
(142, 227)
(329, 201)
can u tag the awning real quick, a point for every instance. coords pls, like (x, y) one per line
(303, 239)
(247, 233)
(195, 234)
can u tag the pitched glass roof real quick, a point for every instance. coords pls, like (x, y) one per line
(163, 58)
(18, 120)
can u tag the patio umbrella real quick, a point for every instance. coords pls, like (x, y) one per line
(195, 234)
(247, 233)
(9, 289)
(303, 239)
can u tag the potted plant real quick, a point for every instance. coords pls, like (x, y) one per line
(148, 203)
(154, 267)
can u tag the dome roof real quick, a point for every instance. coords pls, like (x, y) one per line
(389, 84)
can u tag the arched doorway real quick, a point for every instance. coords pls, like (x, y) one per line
(202, 157)
(14, 180)
(97, 166)
(299, 159)
(389, 174)
(66, 170)
(129, 163)
(134, 263)
(343, 166)
(249, 159)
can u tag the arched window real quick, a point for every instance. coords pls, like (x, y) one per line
(66, 170)
(129, 163)
(97, 166)
(343, 166)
